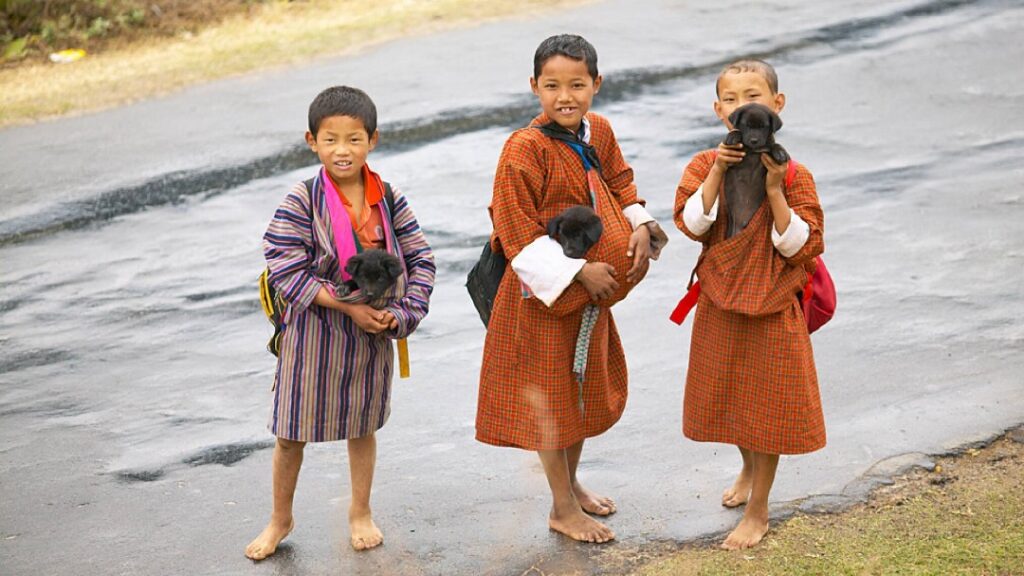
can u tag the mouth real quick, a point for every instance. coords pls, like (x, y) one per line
(566, 110)
(343, 165)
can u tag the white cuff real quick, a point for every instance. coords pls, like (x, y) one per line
(697, 222)
(637, 215)
(545, 269)
(793, 239)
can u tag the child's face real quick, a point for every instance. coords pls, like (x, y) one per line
(565, 90)
(342, 145)
(738, 88)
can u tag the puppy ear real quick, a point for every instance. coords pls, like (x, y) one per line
(733, 138)
(776, 122)
(352, 266)
(393, 267)
(594, 232)
(554, 226)
(737, 116)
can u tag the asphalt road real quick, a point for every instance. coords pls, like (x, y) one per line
(133, 385)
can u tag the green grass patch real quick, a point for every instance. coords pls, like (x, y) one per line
(966, 517)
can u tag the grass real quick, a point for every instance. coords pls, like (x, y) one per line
(965, 517)
(273, 34)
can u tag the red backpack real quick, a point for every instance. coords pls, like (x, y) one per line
(819, 294)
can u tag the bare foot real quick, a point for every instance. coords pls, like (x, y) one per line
(365, 534)
(747, 534)
(593, 503)
(266, 543)
(739, 493)
(579, 526)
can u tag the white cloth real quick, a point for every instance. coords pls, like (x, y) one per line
(788, 243)
(694, 217)
(545, 269)
(793, 239)
(637, 215)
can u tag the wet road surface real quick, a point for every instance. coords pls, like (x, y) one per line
(134, 387)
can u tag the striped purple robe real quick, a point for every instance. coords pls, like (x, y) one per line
(333, 379)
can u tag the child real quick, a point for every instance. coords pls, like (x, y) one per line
(530, 397)
(751, 380)
(333, 378)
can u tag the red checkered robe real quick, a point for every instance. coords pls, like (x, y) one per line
(752, 380)
(529, 397)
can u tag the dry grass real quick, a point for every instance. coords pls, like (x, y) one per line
(966, 517)
(277, 34)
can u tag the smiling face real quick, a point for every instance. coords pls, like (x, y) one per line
(342, 145)
(565, 90)
(738, 88)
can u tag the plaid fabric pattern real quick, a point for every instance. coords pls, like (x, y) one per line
(529, 396)
(333, 380)
(751, 379)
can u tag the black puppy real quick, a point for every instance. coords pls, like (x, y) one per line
(754, 126)
(577, 229)
(373, 271)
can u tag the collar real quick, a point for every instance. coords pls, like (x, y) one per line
(373, 187)
(582, 134)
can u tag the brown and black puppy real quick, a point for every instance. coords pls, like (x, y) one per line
(577, 229)
(754, 126)
(373, 271)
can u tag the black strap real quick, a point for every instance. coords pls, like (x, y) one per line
(555, 132)
(389, 203)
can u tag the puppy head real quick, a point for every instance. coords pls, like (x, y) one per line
(754, 124)
(577, 229)
(374, 271)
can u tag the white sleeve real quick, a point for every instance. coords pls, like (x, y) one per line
(545, 269)
(793, 239)
(694, 217)
(637, 215)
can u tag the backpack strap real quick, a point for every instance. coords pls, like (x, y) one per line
(790, 173)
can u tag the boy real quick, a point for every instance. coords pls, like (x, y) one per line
(333, 378)
(751, 379)
(531, 396)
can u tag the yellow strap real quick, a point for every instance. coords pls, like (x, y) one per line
(265, 295)
(403, 358)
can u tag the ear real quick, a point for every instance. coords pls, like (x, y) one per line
(597, 84)
(352, 266)
(554, 225)
(733, 138)
(533, 86)
(374, 139)
(311, 141)
(776, 122)
(594, 232)
(393, 267)
(736, 116)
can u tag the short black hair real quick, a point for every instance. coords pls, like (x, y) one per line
(751, 65)
(568, 45)
(343, 101)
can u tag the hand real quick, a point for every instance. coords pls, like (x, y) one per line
(390, 320)
(640, 250)
(776, 174)
(368, 318)
(598, 279)
(727, 156)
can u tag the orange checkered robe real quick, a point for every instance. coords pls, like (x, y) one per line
(529, 397)
(752, 380)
